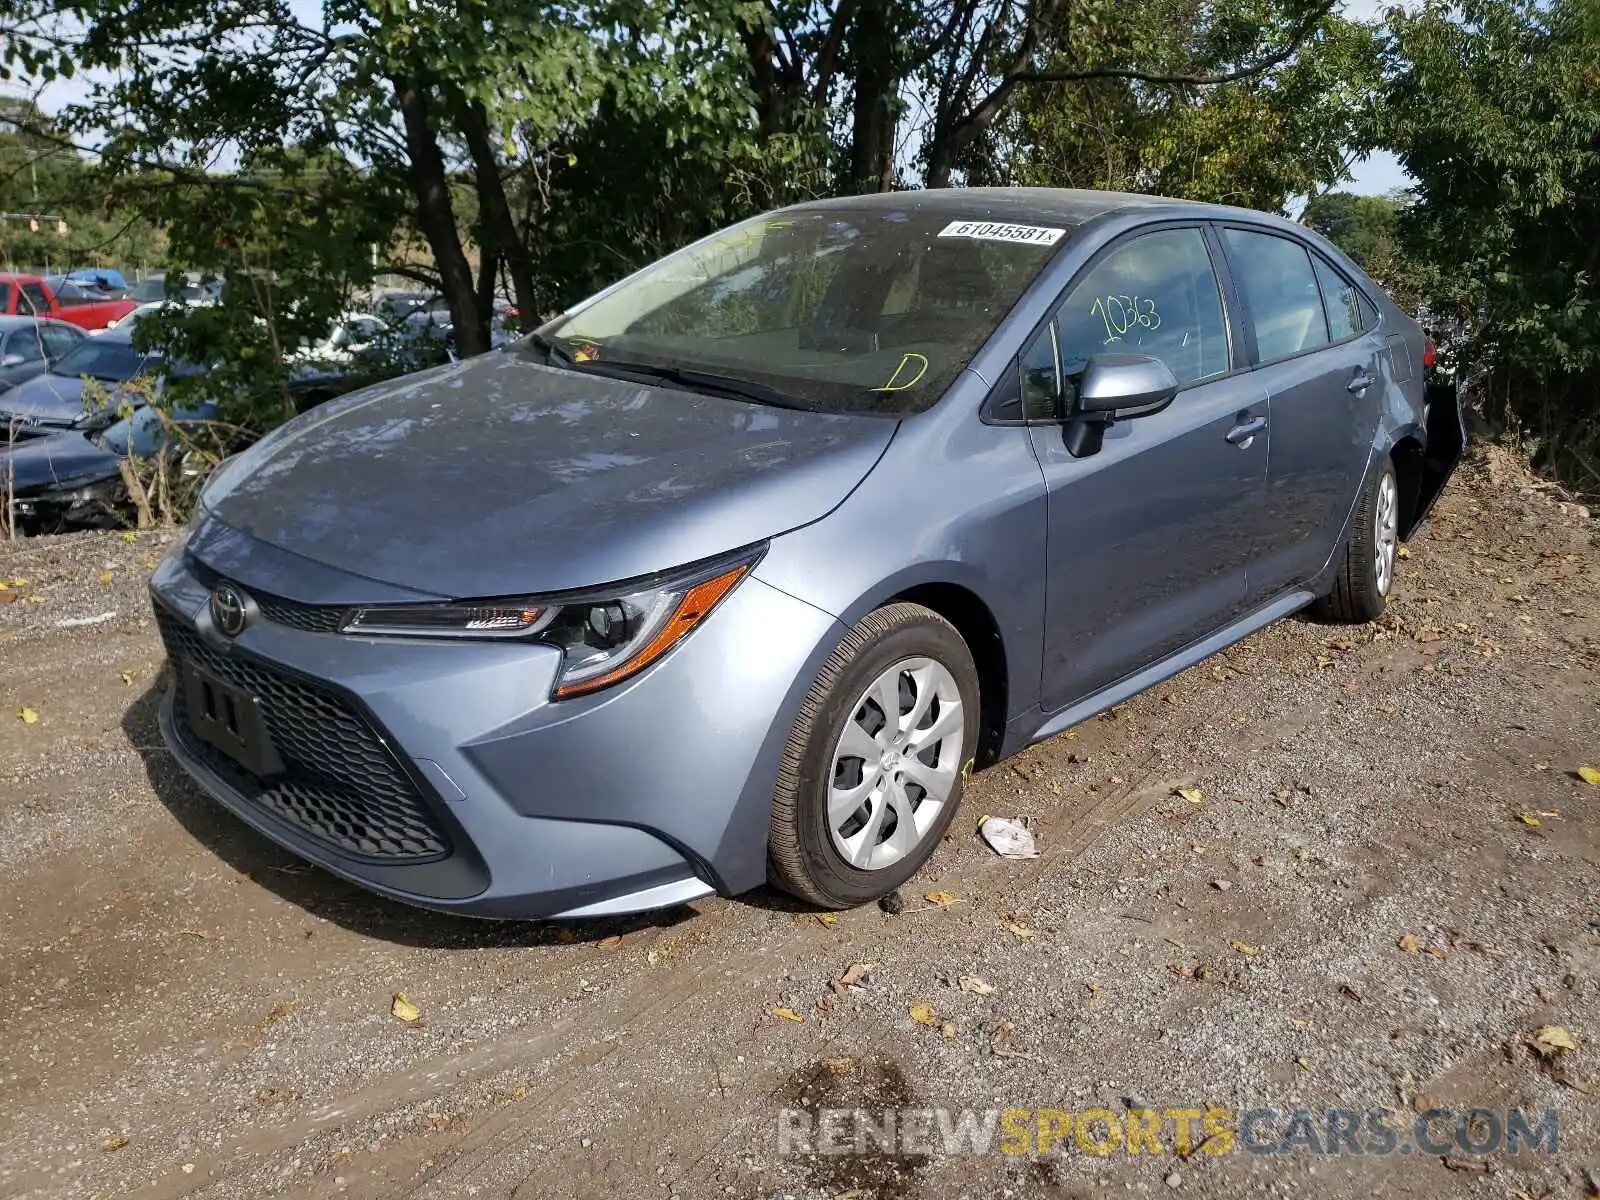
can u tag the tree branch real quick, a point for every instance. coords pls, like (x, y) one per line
(1277, 58)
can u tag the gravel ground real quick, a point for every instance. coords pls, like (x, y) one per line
(1298, 876)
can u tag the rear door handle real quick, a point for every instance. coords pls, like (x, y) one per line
(1360, 381)
(1242, 435)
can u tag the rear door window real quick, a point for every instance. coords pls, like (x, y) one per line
(37, 301)
(24, 346)
(58, 339)
(1155, 294)
(1280, 290)
(1340, 299)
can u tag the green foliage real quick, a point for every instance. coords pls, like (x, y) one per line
(1254, 141)
(1367, 228)
(1494, 107)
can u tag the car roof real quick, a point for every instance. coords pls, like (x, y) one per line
(1055, 206)
(8, 323)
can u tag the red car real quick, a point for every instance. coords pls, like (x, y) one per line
(31, 296)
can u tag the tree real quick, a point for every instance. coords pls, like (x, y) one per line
(1364, 227)
(1494, 107)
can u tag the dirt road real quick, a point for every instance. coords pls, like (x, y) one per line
(1344, 908)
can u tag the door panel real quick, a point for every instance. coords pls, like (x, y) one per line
(1148, 539)
(1322, 434)
(1324, 408)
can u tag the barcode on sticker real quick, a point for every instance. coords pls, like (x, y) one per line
(995, 231)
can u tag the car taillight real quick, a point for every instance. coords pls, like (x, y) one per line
(1429, 353)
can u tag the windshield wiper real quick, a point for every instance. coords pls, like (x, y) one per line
(705, 381)
(555, 355)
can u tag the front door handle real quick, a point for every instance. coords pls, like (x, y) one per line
(1243, 434)
(1360, 382)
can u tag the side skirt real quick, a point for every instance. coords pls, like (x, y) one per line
(1166, 668)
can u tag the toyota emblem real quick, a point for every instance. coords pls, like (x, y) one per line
(228, 611)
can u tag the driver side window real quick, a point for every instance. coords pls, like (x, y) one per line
(1156, 295)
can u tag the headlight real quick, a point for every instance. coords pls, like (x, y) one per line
(604, 636)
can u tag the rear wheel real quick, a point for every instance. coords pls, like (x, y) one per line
(1366, 565)
(874, 768)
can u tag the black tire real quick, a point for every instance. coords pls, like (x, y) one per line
(801, 856)
(1358, 596)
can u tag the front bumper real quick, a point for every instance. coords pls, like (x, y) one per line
(440, 774)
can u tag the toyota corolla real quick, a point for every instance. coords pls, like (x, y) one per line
(732, 573)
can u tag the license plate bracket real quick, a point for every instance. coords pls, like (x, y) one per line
(229, 718)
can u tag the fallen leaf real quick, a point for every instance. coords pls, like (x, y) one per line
(975, 985)
(280, 1011)
(116, 1143)
(1325, 660)
(1403, 552)
(839, 1066)
(828, 919)
(1551, 1040)
(1018, 930)
(1589, 775)
(855, 973)
(941, 899)
(788, 1014)
(27, 716)
(947, 1030)
(130, 538)
(1192, 795)
(608, 943)
(106, 576)
(19, 583)
(1410, 943)
(130, 676)
(404, 1009)
(1244, 948)
(652, 957)
(1527, 818)
(922, 1013)
(1093, 989)
(1303, 1063)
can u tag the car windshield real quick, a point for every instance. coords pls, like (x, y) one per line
(114, 362)
(838, 310)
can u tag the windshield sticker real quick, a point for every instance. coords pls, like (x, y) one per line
(993, 231)
(586, 352)
(912, 362)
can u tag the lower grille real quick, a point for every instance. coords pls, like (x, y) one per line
(341, 785)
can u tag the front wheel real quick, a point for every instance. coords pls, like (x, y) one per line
(874, 768)
(1366, 564)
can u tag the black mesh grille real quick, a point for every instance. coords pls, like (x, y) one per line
(341, 785)
(313, 618)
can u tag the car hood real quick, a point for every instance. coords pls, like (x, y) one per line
(38, 460)
(47, 400)
(501, 475)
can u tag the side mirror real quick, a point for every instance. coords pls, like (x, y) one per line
(1116, 387)
(1125, 385)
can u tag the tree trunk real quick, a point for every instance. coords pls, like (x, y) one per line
(873, 124)
(494, 210)
(436, 217)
